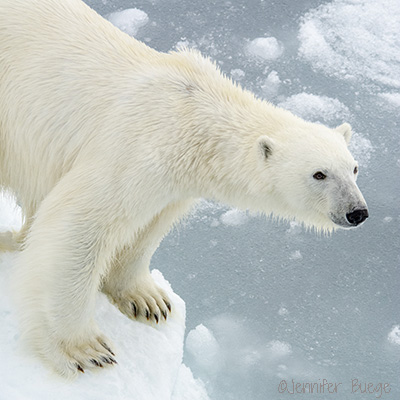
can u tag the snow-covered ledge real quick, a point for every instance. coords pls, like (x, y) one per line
(149, 358)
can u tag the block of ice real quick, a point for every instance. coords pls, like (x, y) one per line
(296, 255)
(202, 346)
(270, 87)
(265, 48)
(279, 349)
(149, 358)
(394, 335)
(234, 217)
(237, 74)
(129, 20)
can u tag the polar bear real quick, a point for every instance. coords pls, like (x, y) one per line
(106, 143)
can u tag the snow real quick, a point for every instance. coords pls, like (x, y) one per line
(149, 357)
(294, 228)
(354, 39)
(234, 217)
(265, 48)
(271, 84)
(237, 74)
(312, 107)
(187, 387)
(394, 335)
(129, 20)
(182, 44)
(283, 311)
(296, 255)
(202, 345)
(278, 349)
(273, 78)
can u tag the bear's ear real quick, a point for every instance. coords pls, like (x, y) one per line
(265, 146)
(345, 130)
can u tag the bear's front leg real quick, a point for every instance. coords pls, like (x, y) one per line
(58, 275)
(129, 284)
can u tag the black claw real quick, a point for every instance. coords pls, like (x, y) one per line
(164, 314)
(156, 317)
(107, 360)
(134, 309)
(168, 305)
(107, 348)
(80, 369)
(147, 314)
(96, 363)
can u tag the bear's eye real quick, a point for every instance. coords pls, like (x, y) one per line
(355, 170)
(319, 176)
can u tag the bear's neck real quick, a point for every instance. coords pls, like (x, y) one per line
(219, 136)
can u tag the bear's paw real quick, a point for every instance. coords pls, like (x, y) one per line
(146, 302)
(86, 355)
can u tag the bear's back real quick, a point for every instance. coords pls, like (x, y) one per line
(62, 68)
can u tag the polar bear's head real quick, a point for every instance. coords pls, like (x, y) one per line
(312, 176)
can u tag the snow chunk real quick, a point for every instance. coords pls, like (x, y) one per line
(234, 217)
(182, 44)
(237, 74)
(265, 48)
(295, 228)
(354, 40)
(394, 335)
(129, 20)
(271, 85)
(203, 347)
(278, 349)
(273, 78)
(315, 108)
(296, 255)
(283, 311)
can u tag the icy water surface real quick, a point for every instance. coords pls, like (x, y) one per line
(269, 302)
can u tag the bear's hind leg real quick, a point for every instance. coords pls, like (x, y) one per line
(129, 284)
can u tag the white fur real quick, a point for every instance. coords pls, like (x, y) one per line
(106, 142)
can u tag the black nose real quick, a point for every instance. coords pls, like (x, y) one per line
(356, 217)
